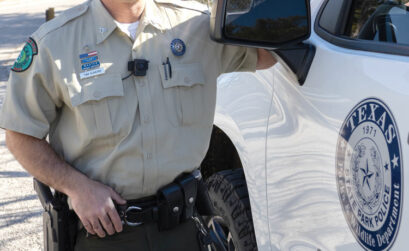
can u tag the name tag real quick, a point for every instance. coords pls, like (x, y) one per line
(92, 73)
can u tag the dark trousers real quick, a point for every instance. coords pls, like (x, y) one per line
(141, 238)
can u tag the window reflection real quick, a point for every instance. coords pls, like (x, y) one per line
(379, 20)
(269, 21)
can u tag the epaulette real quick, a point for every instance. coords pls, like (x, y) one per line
(60, 20)
(189, 5)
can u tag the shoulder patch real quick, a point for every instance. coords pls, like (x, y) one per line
(24, 60)
(189, 5)
(61, 19)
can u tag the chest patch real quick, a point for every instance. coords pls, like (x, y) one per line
(24, 60)
(369, 174)
(90, 65)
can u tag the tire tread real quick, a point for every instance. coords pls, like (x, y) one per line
(230, 199)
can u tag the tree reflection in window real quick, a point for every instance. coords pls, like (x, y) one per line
(379, 20)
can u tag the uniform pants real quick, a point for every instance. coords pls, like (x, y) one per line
(141, 238)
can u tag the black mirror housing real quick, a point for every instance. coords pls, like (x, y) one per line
(269, 24)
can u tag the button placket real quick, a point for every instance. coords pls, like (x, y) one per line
(148, 134)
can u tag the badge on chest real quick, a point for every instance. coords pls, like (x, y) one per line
(90, 65)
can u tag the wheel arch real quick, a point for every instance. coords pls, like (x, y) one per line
(226, 131)
(226, 148)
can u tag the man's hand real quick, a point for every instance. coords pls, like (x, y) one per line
(265, 59)
(94, 204)
(91, 200)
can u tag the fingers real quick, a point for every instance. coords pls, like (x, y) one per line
(96, 226)
(117, 198)
(106, 223)
(113, 215)
(87, 225)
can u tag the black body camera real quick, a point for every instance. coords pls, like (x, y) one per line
(138, 67)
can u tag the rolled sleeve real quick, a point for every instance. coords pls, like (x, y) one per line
(235, 58)
(29, 106)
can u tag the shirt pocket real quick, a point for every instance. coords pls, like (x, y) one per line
(102, 97)
(183, 93)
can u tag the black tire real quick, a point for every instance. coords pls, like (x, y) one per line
(232, 222)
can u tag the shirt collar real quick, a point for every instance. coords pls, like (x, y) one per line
(155, 16)
(105, 24)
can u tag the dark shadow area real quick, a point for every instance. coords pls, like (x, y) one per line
(16, 200)
(14, 175)
(5, 66)
(19, 217)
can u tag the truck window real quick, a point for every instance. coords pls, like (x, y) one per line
(385, 21)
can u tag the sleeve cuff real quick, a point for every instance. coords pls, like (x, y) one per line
(20, 128)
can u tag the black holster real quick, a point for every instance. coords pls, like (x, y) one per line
(59, 222)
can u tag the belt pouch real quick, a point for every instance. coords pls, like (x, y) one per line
(188, 183)
(170, 201)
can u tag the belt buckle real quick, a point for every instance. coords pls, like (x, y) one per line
(129, 223)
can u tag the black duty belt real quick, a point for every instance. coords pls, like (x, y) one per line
(137, 212)
(173, 204)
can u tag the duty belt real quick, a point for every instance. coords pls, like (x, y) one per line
(137, 212)
(173, 204)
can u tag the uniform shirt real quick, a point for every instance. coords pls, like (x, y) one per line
(136, 134)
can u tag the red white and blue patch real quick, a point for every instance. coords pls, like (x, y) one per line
(89, 54)
(90, 65)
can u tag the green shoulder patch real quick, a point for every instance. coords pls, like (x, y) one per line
(24, 60)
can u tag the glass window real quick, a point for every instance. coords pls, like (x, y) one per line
(379, 20)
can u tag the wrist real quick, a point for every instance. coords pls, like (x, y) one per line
(74, 183)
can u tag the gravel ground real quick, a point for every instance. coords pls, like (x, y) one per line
(20, 210)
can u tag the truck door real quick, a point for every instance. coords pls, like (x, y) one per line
(336, 145)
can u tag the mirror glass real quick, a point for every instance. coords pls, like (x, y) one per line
(238, 6)
(268, 21)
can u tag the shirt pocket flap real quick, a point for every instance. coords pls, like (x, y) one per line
(98, 88)
(182, 75)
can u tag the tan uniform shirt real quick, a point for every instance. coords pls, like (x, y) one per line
(137, 134)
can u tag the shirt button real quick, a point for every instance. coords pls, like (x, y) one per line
(97, 94)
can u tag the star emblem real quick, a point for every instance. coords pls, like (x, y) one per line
(395, 161)
(367, 175)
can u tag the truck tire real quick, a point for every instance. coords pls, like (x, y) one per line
(232, 222)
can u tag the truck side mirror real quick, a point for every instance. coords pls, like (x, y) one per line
(269, 24)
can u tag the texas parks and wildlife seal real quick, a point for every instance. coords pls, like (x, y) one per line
(369, 174)
(24, 60)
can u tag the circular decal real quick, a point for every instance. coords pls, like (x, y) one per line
(369, 174)
(25, 58)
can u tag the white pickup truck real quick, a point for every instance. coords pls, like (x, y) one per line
(320, 139)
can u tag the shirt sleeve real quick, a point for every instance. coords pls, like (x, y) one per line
(236, 58)
(31, 100)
